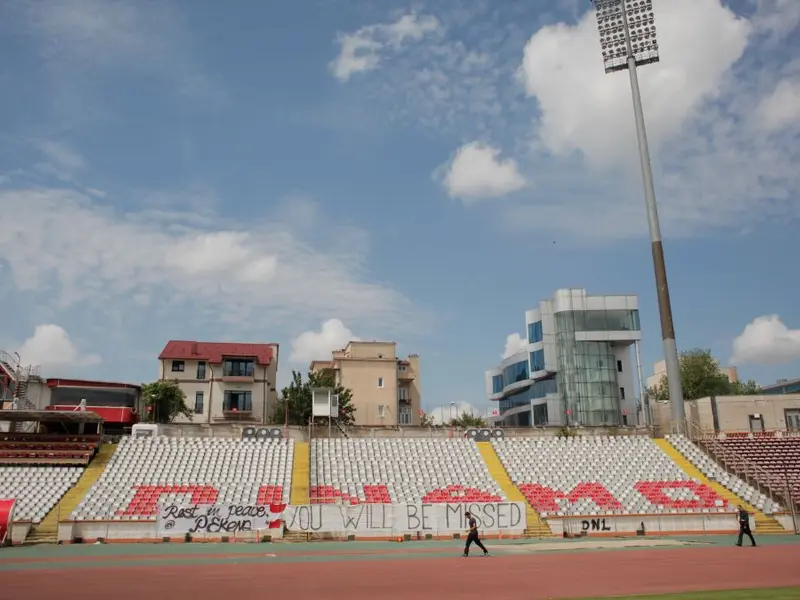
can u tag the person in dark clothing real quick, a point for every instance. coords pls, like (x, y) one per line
(744, 526)
(472, 536)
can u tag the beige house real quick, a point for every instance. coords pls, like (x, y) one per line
(386, 389)
(223, 381)
(736, 413)
(660, 370)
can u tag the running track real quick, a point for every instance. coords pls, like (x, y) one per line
(362, 577)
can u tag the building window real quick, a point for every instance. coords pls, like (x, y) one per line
(405, 415)
(535, 333)
(178, 366)
(401, 368)
(198, 403)
(238, 368)
(381, 411)
(537, 361)
(237, 401)
(756, 423)
(515, 373)
(201, 369)
(540, 415)
(598, 320)
(497, 384)
(619, 366)
(380, 382)
(792, 419)
(622, 393)
(402, 394)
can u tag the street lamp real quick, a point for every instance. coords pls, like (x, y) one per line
(628, 39)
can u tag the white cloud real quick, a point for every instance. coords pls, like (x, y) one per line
(443, 414)
(51, 347)
(62, 160)
(781, 108)
(318, 345)
(584, 109)
(361, 51)
(477, 172)
(514, 343)
(66, 250)
(766, 341)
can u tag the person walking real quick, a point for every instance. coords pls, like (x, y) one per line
(472, 536)
(744, 526)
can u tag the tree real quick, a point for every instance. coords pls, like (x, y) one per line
(748, 388)
(701, 377)
(426, 420)
(465, 420)
(297, 397)
(163, 401)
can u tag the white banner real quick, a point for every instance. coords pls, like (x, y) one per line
(404, 518)
(376, 519)
(221, 519)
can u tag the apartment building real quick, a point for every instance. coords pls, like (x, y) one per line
(386, 389)
(223, 381)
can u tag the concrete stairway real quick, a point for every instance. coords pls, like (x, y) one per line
(764, 524)
(537, 527)
(300, 469)
(47, 530)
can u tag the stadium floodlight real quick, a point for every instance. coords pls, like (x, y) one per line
(627, 28)
(627, 40)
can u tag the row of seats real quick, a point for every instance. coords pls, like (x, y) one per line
(778, 460)
(47, 449)
(355, 471)
(146, 471)
(36, 489)
(711, 469)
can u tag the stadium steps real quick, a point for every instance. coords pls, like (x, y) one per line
(764, 524)
(300, 469)
(47, 530)
(537, 527)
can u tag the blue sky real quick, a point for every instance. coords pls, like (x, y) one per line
(407, 171)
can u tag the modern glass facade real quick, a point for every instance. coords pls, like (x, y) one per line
(587, 371)
(537, 390)
(497, 384)
(599, 320)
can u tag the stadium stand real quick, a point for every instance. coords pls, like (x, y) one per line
(357, 471)
(717, 473)
(777, 460)
(602, 475)
(146, 471)
(36, 489)
(39, 449)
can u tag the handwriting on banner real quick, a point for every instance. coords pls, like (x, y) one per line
(223, 519)
(445, 518)
(594, 525)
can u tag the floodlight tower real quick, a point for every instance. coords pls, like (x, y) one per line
(628, 39)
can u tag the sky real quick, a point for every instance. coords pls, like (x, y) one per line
(316, 171)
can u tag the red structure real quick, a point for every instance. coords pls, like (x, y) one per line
(117, 403)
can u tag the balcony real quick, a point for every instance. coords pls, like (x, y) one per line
(236, 415)
(404, 401)
(250, 379)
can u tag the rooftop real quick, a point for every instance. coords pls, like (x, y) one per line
(215, 352)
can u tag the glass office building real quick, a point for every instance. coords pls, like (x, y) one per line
(577, 366)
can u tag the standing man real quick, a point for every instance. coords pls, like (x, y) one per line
(744, 526)
(472, 536)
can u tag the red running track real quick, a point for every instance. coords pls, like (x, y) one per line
(560, 575)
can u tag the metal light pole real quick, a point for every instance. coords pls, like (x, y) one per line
(628, 39)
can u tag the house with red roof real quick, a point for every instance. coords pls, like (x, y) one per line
(223, 381)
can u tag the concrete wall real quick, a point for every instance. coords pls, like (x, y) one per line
(733, 412)
(612, 525)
